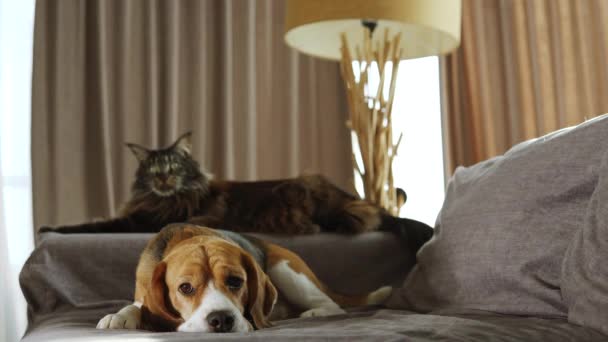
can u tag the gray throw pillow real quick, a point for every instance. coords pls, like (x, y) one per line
(505, 225)
(585, 267)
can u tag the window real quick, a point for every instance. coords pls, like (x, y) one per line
(418, 166)
(16, 233)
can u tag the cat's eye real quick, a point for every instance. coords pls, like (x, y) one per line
(186, 289)
(234, 283)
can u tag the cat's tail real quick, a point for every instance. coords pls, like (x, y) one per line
(414, 234)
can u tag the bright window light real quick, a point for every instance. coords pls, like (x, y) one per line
(16, 41)
(418, 167)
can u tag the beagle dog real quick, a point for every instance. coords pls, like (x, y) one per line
(191, 278)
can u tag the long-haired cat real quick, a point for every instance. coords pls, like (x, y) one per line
(170, 187)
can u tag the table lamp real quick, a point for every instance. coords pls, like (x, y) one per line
(369, 38)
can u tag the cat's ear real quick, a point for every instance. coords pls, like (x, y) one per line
(141, 153)
(184, 143)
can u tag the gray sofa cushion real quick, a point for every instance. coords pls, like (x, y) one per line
(585, 271)
(505, 226)
(77, 325)
(90, 270)
(71, 281)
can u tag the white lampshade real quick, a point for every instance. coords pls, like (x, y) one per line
(428, 27)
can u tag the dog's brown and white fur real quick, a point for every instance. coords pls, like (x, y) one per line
(196, 279)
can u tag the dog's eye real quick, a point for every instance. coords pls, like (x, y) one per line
(234, 283)
(186, 288)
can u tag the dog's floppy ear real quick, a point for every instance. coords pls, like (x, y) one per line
(159, 312)
(262, 295)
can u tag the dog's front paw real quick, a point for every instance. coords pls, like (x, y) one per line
(322, 312)
(127, 318)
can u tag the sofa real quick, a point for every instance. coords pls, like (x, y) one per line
(518, 254)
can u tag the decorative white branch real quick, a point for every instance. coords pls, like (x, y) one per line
(372, 124)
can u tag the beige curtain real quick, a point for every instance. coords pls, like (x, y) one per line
(144, 71)
(525, 68)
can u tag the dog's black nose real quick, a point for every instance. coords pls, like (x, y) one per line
(221, 321)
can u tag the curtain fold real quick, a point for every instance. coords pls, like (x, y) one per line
(524, 68)
(109, 72)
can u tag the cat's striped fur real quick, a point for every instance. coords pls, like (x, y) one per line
(170, 187)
